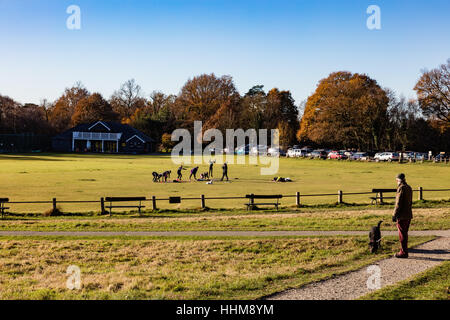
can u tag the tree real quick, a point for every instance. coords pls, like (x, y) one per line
(127, 99)
(346, 110)
(93, 108)
(281, 113)
(253, 106)
(61, 113)
(433, 92)
(203, 96)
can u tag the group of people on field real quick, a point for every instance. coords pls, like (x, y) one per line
(206, 176)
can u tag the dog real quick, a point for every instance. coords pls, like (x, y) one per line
(156, 177)
(375, 238)
(204, 176)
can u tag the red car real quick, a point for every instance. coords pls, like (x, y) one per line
(337, 155)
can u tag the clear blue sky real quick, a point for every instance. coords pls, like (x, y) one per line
(161, 43)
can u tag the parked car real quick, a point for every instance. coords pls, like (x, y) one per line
(361, 156)
(319, 154)
(339, 155)
(258, 150)
(276, 152)
(291, 153)
(442, 157)
(386, 156)
(243, 150)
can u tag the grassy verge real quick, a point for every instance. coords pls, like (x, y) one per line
(185, 268)
(424, 219)
(430, 285)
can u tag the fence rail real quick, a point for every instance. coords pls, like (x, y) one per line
(202, 198)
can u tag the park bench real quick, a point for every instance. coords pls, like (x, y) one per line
(111, 200)
(2, 205)
(379, 195)
(251, 200)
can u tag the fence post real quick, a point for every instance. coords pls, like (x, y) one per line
(102, 205)
(54, 204)
(297, 202)
(340, 196)
(154, 203)
(420, 193)
(203, 202)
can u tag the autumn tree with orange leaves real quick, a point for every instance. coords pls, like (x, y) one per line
(347, 110)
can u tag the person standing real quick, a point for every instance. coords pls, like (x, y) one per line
(403, 213)
(224, 171)
(211, 167)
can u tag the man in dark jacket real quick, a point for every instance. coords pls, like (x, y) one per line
(403, 213)
(224, 171)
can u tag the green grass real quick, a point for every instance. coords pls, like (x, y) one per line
(357, 219)
(433, 284)
(183, 268)
(89, 177)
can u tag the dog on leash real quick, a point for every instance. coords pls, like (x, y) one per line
(375, 238)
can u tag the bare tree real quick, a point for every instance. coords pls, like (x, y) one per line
(433, 92)
(127, 99)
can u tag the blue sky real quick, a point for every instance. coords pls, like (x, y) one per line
(161, 43)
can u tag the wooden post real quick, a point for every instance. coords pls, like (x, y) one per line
(340, 196)
(420, 193)
(203, 202)
(102, 205)
(154, 203)
(381, 198)
(252, 202)
(54, 204)
(298, 199)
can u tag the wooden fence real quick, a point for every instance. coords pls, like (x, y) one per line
(202, 199)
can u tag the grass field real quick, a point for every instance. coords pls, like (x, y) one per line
(324, 219)
(182, 268)
(88, 177)
(430, 285)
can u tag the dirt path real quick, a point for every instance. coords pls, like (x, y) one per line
(354, 284)
(441, 233)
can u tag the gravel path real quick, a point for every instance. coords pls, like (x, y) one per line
(441, 233)
(354, 284)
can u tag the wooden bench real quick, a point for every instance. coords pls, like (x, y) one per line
(2, 205)
(124, 199)
(251, 200)
(379, 195)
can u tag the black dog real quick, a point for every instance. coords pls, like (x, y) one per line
(156, 177)
(375, 238)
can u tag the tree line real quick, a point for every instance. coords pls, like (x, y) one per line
(347, 110)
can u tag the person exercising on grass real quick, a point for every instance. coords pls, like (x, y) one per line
(193, 173)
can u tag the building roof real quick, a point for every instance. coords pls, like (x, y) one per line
(115, 127)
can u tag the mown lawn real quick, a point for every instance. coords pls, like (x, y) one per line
(357, 219)
(38, 177)
(182, 268)
(433, 284)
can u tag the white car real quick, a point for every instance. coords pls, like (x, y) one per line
(386, 156)
(258, 150)
(293, 153)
